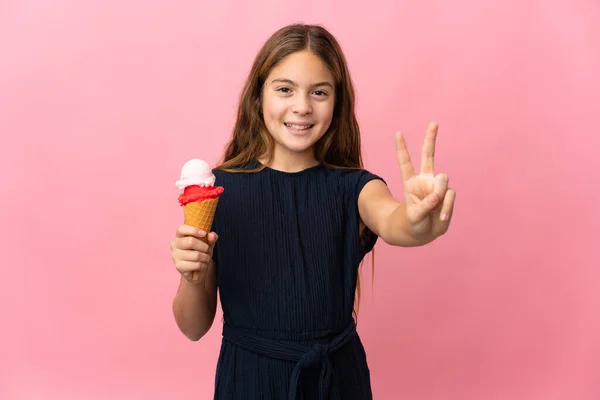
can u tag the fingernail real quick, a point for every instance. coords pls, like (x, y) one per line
(433, 199)
(444, 217)
(202, 233)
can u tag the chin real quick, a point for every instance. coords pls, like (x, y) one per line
(295, 147)
(298, 149)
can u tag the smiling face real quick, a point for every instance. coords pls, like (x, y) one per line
(297, 104)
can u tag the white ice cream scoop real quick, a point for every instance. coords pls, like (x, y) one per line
(195, 172)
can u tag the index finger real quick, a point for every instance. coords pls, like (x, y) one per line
(406, 167)
(188, 230)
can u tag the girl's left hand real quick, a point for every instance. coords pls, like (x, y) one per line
(428, 200)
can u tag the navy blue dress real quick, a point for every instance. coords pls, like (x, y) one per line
(287, 262)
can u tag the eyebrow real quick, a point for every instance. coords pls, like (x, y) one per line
(290, 82)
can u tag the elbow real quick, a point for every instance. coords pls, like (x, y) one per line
(194, 330)
(194, 333)
(193, 336)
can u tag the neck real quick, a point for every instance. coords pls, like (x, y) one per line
(290, 161)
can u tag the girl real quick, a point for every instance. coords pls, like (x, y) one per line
(298, 215)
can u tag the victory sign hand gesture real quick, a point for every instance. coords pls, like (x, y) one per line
(429, 202)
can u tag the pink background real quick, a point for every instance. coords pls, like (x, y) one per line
(101, 103)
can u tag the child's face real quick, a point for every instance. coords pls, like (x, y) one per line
(298, 102)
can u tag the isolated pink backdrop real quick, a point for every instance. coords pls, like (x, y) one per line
(101, 103)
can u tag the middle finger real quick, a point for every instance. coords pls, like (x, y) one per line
(428, 151)
(194, 256)
(192, 243)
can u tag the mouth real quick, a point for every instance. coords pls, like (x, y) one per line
(298, 129)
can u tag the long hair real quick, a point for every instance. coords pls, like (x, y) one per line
(340, 146)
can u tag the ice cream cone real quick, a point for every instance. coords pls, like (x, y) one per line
(199, 196)
(200, 214)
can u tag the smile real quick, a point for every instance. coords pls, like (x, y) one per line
(297, 127)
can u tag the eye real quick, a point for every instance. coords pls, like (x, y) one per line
(284, 90)
(320, 93)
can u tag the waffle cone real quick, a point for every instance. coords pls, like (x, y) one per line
(200, 215)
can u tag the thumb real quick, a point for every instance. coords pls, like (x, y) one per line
(426, 206)
(212, 239)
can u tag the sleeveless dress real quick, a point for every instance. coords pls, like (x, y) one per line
(287, 262)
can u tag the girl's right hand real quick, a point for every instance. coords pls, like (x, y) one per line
(190, 253)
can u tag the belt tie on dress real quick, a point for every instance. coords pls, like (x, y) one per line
(317, 356)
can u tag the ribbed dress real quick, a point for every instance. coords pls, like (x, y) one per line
(287, 262)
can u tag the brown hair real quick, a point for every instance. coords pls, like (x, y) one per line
(340, 146)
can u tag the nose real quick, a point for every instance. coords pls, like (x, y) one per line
(301, 105)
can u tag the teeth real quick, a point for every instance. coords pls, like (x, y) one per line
(298, 127)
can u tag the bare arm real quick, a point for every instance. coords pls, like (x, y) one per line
(428, 204)
(195, 303)
(386, 216)
(195, 306)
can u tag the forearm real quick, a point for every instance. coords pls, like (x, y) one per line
(194, 307)
(399, 232)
